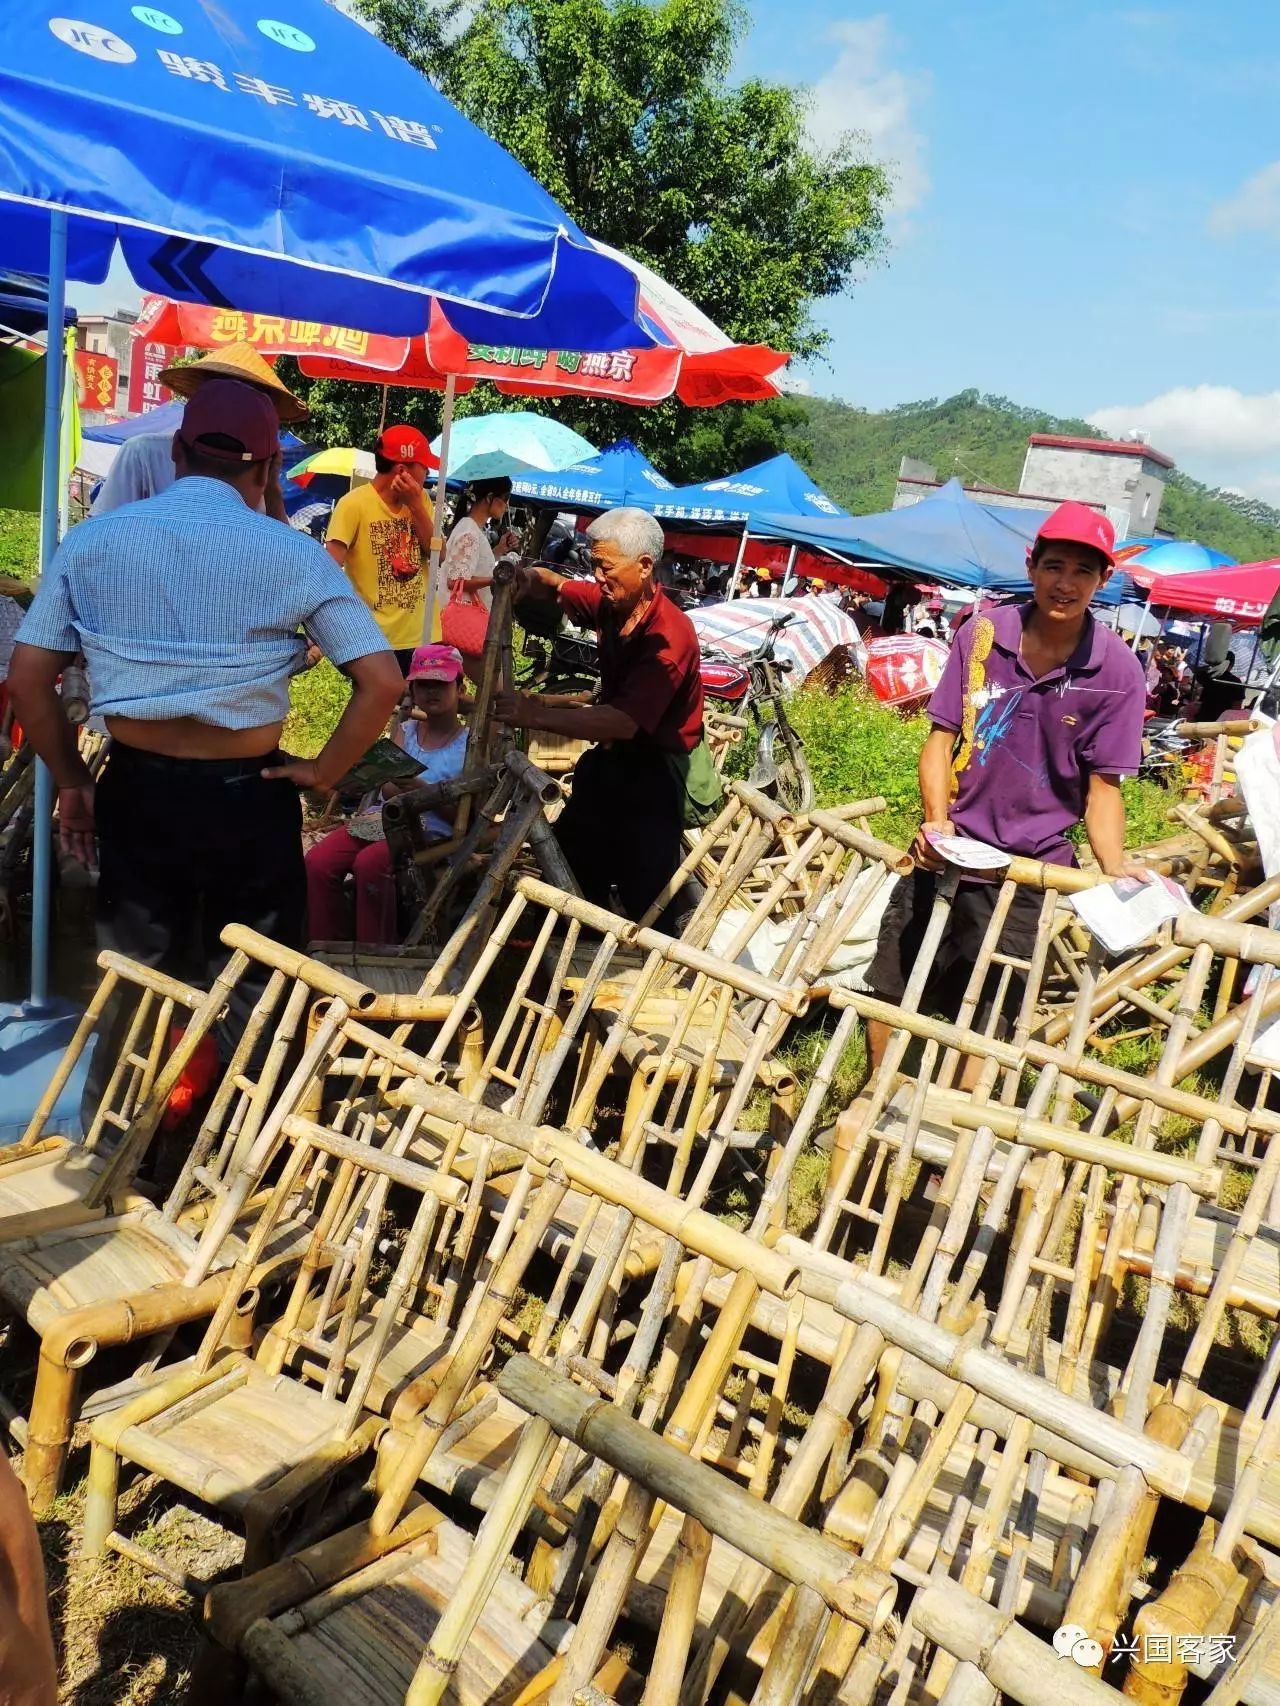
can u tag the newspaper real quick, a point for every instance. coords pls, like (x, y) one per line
(1128, 912)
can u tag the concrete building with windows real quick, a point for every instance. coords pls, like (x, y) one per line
(110, 334)
(1124, 478)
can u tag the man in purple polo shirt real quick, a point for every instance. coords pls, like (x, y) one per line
(1036, 719)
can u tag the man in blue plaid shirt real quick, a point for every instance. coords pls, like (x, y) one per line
(193, 612)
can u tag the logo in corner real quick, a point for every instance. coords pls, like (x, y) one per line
(93, 40)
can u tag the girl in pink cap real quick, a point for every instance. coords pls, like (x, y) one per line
(435, 735)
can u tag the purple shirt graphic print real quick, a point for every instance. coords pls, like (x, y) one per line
(1037, 741)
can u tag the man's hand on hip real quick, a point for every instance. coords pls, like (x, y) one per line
(304, 773)
(76, 830)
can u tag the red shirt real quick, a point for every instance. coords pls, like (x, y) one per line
(652, 673)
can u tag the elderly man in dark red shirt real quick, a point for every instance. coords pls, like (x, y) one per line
(621, 829)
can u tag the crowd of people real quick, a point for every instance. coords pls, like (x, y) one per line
(194, 606)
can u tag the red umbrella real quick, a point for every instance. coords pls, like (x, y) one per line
(702, 368)
(1240, 594)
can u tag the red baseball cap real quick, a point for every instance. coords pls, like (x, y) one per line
(1082, 526)
(228, 409)
(406, 444)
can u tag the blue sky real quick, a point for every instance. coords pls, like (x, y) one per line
(1087, 215)
(1088, 211)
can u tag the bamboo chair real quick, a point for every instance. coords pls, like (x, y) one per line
(237, 1430)
(48, 1181)
(138, 1274)
(349, 1617)
(656, 1470)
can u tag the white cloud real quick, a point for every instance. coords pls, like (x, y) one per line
(1216, 433)
(863, 91)
(1255, 206)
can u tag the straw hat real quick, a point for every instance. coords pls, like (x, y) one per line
(236, 361)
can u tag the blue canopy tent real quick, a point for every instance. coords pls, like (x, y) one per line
(948, 537)
(779, 487)
(619, 475)
(24, 304)
(297, 167)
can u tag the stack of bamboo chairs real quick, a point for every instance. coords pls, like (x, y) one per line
(476, 1305)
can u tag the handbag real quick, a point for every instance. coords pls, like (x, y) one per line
(464, 621)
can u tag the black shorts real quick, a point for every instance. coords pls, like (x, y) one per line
(902, 931)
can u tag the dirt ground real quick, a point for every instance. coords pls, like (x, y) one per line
(127, 1637)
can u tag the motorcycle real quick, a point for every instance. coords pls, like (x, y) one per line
(754, 683)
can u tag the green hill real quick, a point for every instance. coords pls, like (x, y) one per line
(854, 455)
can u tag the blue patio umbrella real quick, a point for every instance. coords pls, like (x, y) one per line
(228, 154)
(290, 165)
(486, 447)
(614, 478)
(1170, 556)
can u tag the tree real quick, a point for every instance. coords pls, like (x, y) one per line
(624, 110)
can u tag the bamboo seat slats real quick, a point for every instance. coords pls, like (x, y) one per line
(228, 1450)
(363, 1645)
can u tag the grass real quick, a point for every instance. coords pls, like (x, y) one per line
(19, 545)
(858, 748)
(317, 698)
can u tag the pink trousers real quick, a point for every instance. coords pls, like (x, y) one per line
(329, 863)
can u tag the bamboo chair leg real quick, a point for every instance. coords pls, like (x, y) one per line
(679, 1615)
(53, 1409)
(101, 1500)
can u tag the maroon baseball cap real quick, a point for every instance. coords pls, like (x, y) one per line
(406, 444)
(224, 408)
(1082, 526)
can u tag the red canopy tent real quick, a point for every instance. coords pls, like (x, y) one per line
(1239, 594)
(773, 555)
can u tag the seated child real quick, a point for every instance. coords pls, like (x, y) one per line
(438, 740)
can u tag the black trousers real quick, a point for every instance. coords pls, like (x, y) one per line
(621, 828)
(187, 846)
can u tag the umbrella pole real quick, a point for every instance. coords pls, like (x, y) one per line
(42, 826)
(736, 576)
(437, 520)
(791, 563)
(1142, 622)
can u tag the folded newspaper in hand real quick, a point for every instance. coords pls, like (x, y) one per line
(964, 851)
(1125, 913)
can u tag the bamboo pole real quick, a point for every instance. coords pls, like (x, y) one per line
(1161, 961)
(672, 948)
(1014, 1057)
(470, 1350)
(695, 1228)
(679, 1614)
(761, 1531)
(1024, 1668)
(1234, 728)
(121, 1169)
(870, 846)
(991, 1375)
(498, 1533)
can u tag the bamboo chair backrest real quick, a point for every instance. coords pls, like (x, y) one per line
(341, 1183)
(135, 1009)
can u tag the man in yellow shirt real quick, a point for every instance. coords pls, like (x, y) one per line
(381, 535)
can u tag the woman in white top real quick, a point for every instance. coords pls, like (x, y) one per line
(469, 557)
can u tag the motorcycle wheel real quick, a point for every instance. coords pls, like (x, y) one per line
(784, 769)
